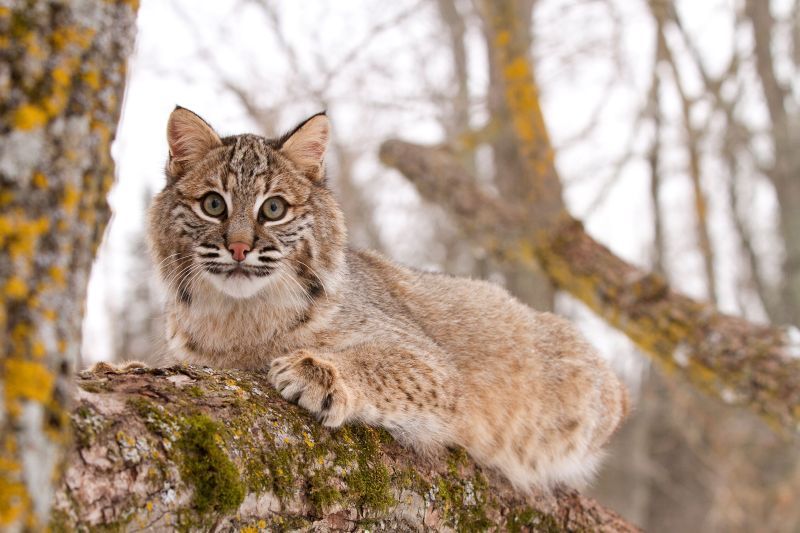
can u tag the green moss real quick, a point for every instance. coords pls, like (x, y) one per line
(93, 386)
(257, 474)
(218, 487)
(371, 487)
(369, 482)
(322, 495)
(280, 465)
(60, 522)
(409, 479)
(456, 459)
(194, 391)
(526, 518)
(463, 502)
(157, 419)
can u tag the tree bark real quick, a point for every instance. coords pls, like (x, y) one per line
(193, 448)
(62, 74)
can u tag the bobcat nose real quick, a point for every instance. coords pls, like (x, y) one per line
(239, 250)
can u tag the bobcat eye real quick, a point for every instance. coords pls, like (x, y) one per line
(273, 208)
(213, 204)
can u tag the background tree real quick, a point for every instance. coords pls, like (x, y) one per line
(62, 73)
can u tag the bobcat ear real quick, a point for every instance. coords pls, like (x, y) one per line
(306, 144)
(190, 138)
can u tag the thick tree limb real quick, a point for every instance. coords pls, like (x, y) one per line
(200, 449)
(740, 362)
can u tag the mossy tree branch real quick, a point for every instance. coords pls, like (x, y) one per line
(62, 76)
(195, 448)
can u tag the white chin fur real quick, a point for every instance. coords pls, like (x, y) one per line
(238, 287)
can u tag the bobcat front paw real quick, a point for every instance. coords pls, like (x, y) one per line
(313, 384)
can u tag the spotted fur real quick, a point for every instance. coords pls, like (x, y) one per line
(352, 336)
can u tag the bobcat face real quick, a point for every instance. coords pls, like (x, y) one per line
(243, 213)
(246, 220)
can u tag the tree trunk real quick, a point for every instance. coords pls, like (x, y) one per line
(192, 448)
(531, 287)
(62, 74)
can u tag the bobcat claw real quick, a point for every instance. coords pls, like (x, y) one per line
(313, 384)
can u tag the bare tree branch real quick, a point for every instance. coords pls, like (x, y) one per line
(693, 139)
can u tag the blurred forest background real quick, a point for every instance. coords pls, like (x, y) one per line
(675, 129)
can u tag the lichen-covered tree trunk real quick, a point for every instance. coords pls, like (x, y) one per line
(62, 74)
(193, 448)
(533, 288)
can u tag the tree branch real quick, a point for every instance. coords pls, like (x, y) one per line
(740, 362)
(202, 449)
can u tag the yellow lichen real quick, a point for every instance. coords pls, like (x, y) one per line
(12, 492)
(92, 79)
(70, 35)
(38, 350)
(28, 117)
(27, 380)
(503, 38)
(61, 76)
(16, 288)
(21, 234)
(33, 46)
(57, 275)
(70, 199)
(39, 180)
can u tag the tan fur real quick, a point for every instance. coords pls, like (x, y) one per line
(351, 336)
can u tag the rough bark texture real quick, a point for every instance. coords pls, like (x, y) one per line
(62, 74)
(193, 448)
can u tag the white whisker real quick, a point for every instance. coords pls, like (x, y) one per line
(314, 272)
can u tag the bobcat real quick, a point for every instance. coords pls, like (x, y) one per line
(253, 249)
